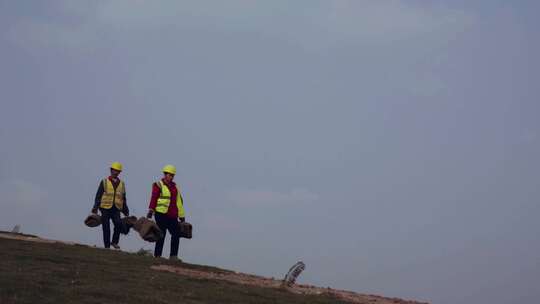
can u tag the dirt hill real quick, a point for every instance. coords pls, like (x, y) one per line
(36, 270)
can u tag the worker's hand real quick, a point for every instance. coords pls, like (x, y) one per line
(182, 219)
(150, 213)
(126, 213)
(94, 210)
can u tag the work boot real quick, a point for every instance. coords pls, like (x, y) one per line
(175, 259)
(116, 246)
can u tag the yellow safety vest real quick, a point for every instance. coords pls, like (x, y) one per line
(112, 196)
(164, 200)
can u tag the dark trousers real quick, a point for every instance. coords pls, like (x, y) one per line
(166, 223)
(114, 215)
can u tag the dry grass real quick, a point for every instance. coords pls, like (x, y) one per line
(35, 272)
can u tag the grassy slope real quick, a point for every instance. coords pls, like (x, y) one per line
(33, 272)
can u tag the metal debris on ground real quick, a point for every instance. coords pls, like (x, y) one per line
(16, 229)
(293, 273)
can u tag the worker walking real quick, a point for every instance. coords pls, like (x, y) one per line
(111, 200)
(167, 205)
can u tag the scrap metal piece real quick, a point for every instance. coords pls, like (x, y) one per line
(16, 229)
(293, 273)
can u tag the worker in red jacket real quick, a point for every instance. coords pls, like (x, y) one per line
(167, 205)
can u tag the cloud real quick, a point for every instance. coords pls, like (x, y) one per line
(218, 223)
(315, 25)
(22, 202)
(265, 197)
(62, 24)
(392, 19)
(311, 25)
(34, 35)
(22, 193)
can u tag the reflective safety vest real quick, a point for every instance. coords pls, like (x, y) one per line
(164, 200)
(112, 196)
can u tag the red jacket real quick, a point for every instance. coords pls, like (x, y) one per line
(172, 212)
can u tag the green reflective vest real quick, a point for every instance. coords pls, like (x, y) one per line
(112, 196)
(165, 199)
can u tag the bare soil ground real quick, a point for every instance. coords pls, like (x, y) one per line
(253, 280)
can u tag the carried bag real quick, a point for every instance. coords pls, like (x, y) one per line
(127, 223)
(185, 230)
(148, 230)
(93, 220)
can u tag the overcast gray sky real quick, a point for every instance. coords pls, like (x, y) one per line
(391, 145)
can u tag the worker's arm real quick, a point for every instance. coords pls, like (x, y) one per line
(153, 200)
(181, 212)
(97, 200)
(125, 208)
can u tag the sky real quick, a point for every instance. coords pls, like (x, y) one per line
(390, 145)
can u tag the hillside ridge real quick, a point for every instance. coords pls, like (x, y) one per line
(41, 270)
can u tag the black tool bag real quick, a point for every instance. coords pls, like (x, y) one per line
(127, 223)
(185, 229)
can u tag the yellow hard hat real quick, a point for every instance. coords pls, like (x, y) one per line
(169, 169)
(116, 166)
